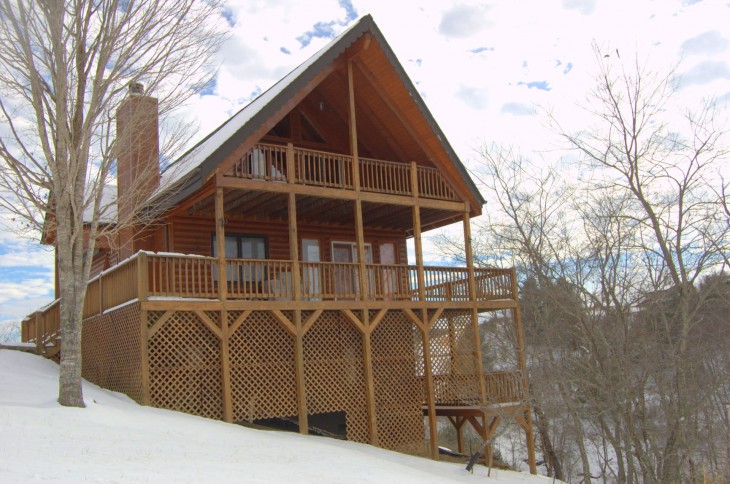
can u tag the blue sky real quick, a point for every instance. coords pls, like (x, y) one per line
(487, 70)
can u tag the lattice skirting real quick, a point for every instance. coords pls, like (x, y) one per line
(186, 372)
(111, 353)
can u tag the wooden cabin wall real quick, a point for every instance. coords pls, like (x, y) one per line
(193, 235)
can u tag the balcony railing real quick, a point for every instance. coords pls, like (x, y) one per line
(172, 275)
(166, 275)
(502, 387)
(333, 170)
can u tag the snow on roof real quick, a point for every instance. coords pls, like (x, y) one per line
(189, 171)
(108, 206)
(206, 148)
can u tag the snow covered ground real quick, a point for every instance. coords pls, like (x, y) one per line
(116, 440)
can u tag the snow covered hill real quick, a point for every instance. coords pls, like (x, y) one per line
(116, 440)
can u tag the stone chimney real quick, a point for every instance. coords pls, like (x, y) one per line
(138, 154)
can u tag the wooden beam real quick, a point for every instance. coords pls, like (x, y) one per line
(220, 244)
(288, 325)
(377, 319)
(417, 236)
(239, 321)
(227, 397)
(144, 365)
(468, 252)
(369, 380)
(182, 304)
(360, 242)
(337, 193)
(414, 319)
(311, 320)
(294, 247)
(354, 320)
(210, 324)
(299, 378)
(352, 124)
(430, 391)
(159, 323)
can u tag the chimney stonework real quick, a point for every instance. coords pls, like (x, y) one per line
(138, 153)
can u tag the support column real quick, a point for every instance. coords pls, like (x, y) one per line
(220, 248)
(226, 368)
(299, 373)
(369, 379)
(416, 213)
(522, 360)
(469, 255)
(430, 397)
(362, 269)
(294, 249)
(297, 296)
(220, 245)
(142, 294)
(38, 332)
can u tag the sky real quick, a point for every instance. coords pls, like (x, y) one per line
(115, 440)
(488, 72)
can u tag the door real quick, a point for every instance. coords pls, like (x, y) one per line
(345, 275)
(310, 273)
(388, 274)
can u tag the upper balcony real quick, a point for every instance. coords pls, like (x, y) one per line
(258, 182)
(300, 166)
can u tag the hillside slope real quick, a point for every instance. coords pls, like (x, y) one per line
(116, 440)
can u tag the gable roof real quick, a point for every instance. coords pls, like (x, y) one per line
(187, 174)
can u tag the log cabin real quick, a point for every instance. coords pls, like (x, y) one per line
(275, 284)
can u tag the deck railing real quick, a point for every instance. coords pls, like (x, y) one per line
(165, 275)
(504, 387)
(173, 275)
(42, 326)
(334, 170)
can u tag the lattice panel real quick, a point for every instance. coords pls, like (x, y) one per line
(452, 359)
(262, 369)
(110, 347)
(333, 372)
(185, 371)
(398, 389)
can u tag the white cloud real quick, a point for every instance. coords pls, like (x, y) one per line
(462, 21)
(711, 42)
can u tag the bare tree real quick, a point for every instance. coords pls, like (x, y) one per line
(64, 70)
(623, 272)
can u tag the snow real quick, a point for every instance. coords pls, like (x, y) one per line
(115, 440)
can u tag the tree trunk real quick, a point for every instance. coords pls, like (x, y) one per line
(71, 287)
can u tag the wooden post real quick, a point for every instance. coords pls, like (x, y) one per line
(416, 213)
(220, 245)
(220, 248)
(522, 360)
(369, 379)
(38, 333)
(469, 255)
(144, 356)
(226, 368)
(353, 128)
(294, 248)
(460, 433)
(362, 269)
(430, 398)
(143, 283)
(291, 175)
(299, 373)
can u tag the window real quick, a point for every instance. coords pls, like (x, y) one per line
(243, 247)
